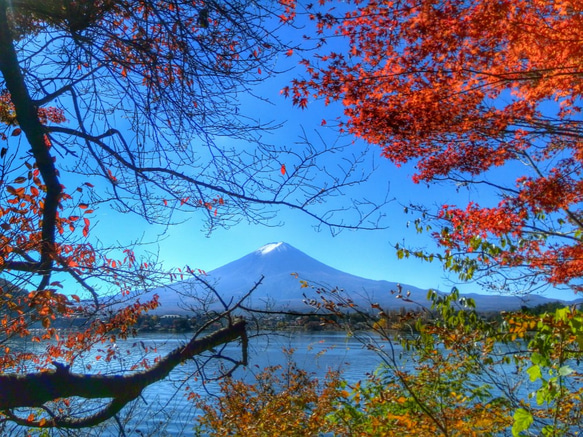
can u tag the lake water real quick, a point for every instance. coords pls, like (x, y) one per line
(315, 352)
(163, 409)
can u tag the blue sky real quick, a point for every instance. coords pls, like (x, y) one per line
(368, 254)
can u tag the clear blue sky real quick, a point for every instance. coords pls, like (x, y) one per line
(368, 254)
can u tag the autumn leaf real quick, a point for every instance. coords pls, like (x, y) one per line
(112, 178)
(86, 227)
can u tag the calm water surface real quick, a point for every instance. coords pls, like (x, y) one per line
(163, 409)
(315, 352)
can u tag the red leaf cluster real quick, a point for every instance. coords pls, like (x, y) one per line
(462, 88)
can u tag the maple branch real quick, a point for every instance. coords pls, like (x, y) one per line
(67, 88)
(23, 266)
(35, 389)
(565, 209)
(80, 281)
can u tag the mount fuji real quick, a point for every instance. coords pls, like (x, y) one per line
(283, 267)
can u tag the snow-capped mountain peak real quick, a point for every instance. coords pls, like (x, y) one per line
(263, 250)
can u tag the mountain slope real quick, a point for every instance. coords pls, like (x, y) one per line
(281, 288)
(278, 262)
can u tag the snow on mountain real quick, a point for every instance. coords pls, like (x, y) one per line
(268, 248)
(282, 267)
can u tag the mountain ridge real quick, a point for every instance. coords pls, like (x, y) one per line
(283, 267)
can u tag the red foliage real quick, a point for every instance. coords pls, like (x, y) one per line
(460, 88)
(21, 249)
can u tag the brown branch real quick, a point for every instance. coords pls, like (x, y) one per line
(35, 389)
(145, 172)
(114, 407)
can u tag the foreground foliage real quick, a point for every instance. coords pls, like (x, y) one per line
(283, 400)
(453, 375)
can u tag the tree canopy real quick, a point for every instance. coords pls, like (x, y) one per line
(485, 95)
(130, 106)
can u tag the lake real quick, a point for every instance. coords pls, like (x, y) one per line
(163, 409)
(315, 352)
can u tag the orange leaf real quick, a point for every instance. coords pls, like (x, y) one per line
(86, 227)
(15, 191)
(282, 169)
(111, 176)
